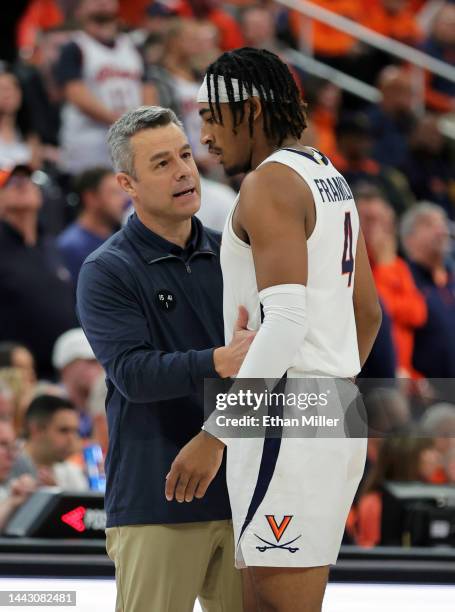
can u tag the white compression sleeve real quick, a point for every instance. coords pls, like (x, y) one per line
(280, 335)
(274, 347)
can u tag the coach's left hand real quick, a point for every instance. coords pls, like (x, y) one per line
(194, 468)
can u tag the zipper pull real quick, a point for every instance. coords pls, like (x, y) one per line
(188, 269)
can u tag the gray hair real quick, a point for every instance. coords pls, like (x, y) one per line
(412, 217)
(131, 123)
(436, 416)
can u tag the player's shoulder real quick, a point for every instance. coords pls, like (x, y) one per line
(269, 177)
(274, 181)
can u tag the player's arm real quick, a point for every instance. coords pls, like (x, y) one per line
(272, 212)
(367, 311)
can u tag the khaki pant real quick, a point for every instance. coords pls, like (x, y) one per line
(164, 568)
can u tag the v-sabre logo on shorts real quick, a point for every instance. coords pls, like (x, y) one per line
(278, 531)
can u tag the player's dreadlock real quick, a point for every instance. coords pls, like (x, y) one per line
(283, 107)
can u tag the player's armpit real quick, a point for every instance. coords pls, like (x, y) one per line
(367, 311)
(271, 210)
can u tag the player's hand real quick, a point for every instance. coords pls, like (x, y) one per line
(228, 359)
(194, 468)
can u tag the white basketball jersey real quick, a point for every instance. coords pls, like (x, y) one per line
(330, 347)
(114, 76)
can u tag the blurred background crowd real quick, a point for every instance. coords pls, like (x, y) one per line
(69, 68)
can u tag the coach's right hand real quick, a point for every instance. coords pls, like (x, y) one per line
(228, 359)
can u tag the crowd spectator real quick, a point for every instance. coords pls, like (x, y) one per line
(102, 204)
(158, 17)
(354, 160)
(42, 96)
(18, 144)
(13, 491)
(101, 74)
(97, 410)
(393, 18)
(51, 438)
(425, 238)
(230, 35)
(78, 371)
(440, 44)
(393, 119)
(382, 360)
(438, 422)
(330, 45)
(154, 50)
(388, 410)
(429, 165)
(259, 28)
(18, 395)
(39, 16)
(37, 302)
(180, 48)
(14, 355)
(6, 403)
(408, 457)
(394, 281)
(324, 101)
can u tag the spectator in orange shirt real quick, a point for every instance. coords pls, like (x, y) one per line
(401, 458)
(394, 281)
(393, 18)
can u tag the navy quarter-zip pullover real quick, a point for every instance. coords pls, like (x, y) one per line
(152, 312)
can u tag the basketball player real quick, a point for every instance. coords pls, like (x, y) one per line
(291, 244)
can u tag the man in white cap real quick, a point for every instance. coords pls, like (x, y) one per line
(78, 370)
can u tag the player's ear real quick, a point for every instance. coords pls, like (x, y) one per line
(255, 107)
(126, 183)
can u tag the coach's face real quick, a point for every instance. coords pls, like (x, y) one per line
(232, 146)
(166, 184)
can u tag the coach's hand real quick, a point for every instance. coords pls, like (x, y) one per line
(194, 468)
(228, 359)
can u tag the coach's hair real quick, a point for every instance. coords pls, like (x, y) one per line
(129, 124)
(412, 217)
(282, 105)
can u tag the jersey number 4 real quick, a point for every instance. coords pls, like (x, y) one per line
(347, 263)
